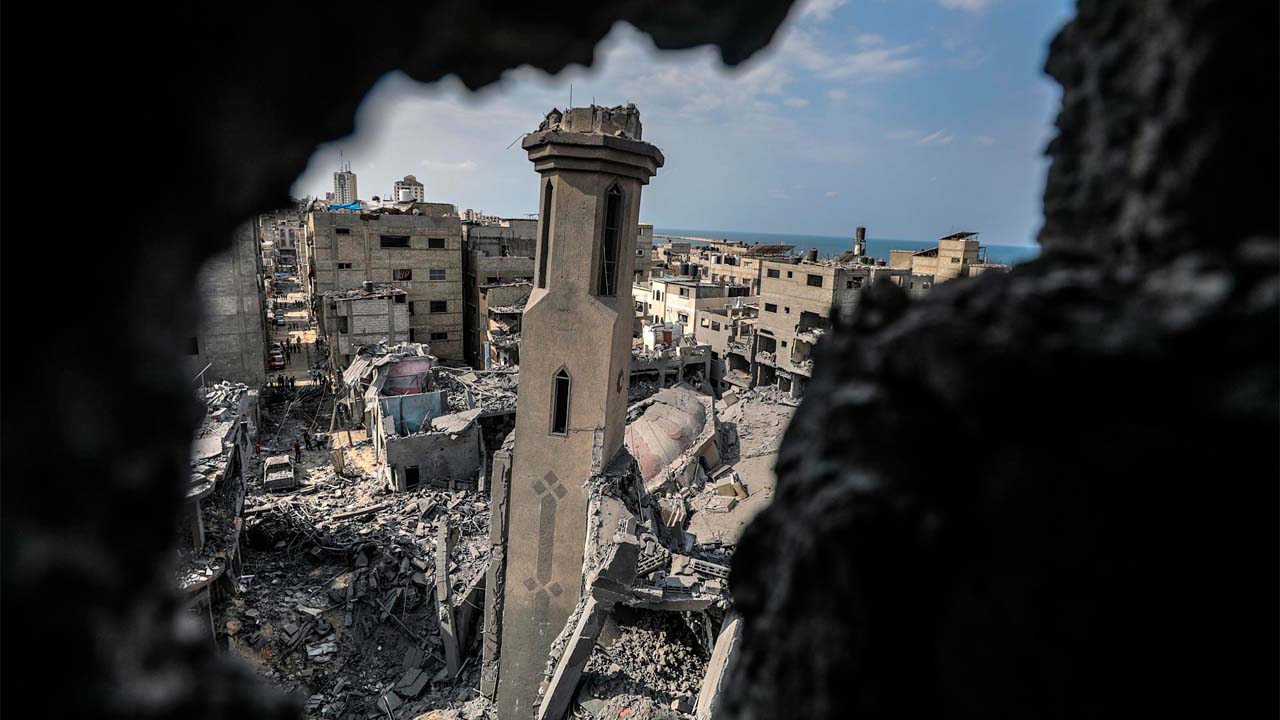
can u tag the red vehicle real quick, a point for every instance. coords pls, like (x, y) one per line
(275, 360)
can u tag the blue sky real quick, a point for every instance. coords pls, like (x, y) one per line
(914, 118)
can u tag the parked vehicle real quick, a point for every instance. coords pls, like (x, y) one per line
(279, 473)
(275, 360)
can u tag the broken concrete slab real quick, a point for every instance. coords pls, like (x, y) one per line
(717, 669)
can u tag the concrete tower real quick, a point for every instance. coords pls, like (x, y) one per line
(344, 185)
(575, 359)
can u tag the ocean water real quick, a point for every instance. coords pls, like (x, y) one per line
(829, 246)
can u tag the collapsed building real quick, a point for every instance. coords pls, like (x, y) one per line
(416, 438)
(502, 307)
(665, 357)
(209, 528)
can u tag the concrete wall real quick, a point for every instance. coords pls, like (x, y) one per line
(439, 457)
(231, 334)
(362, 249)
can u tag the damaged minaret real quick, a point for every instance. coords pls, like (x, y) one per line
(575, 358)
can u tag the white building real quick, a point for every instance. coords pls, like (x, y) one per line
(344, 186)
(408, 189)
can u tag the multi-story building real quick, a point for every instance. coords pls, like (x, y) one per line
(208, 544)
(797, 301)
(366, 315)
(344, 186)
(408, 190)
(501, 307)
(729, 330)
(418, 250)
(956, 255)
(680, 301)
(718, 261)
(494, 256)
(230, 342)
(644, 253)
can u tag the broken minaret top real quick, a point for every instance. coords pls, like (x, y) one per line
(619, 120)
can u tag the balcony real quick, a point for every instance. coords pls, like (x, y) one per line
(766, 358)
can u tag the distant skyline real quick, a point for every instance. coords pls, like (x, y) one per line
(915, 119)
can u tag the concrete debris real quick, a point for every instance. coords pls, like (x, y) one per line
(492, 391)
(341, 598)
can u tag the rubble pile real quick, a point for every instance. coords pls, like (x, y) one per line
(756, 421)
(651, 662)
(492, 390)
(341, 597)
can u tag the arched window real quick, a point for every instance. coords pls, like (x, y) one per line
(607, 285)
(560, 403)
(544, 242)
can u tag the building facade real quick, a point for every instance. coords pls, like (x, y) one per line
(344, 186)
(230, 342)
(348, 319)
(408, 190)
(797, 301)
(494, 255)
(419, 251)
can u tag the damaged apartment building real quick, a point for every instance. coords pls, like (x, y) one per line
(209, 530)
(413, 246)
(796, 305)
(417, 438)
(498, 271)
(372, 313)
(774, 306)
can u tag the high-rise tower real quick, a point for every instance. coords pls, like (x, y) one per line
(575, 357)
(344, 185)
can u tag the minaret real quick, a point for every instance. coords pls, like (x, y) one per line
(575, 361)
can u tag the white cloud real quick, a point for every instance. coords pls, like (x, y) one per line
(868, 40)
(464, 166)
(938, 138)
(821, 10)
(830, 194)
(837, 94)
(984, 139)
(795, 102)
(871, 64)
(973, 6)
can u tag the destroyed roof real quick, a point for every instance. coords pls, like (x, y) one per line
(373, 356)
(361, 292)
(769, 249)
(507, 309)
(676, 421)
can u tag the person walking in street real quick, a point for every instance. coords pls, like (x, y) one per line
(297, 452)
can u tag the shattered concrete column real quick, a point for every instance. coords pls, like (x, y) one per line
(611, 583)
(564, 682)
(717, 670)
(575, 356)
(444, 598)
(498, 498)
